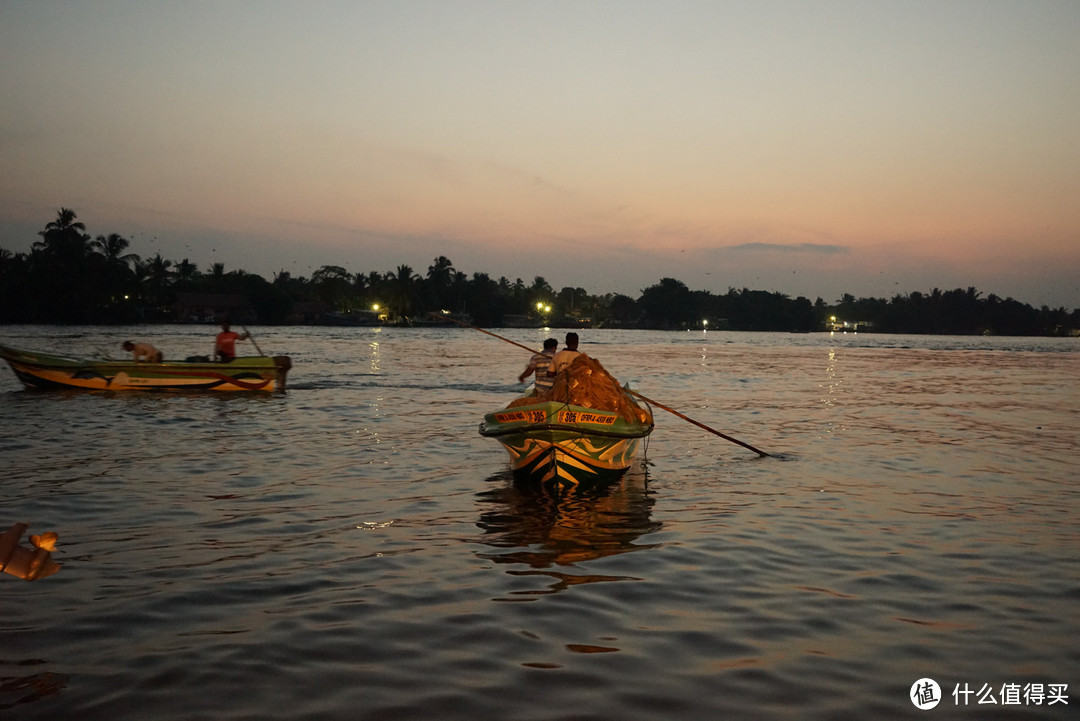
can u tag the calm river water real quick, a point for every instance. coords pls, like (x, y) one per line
(353, 549)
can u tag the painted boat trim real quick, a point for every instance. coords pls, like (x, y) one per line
(561, 444)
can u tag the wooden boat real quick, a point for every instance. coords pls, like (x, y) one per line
(47, 371)
(521, 321)
(359, 318)
(569, 435)
(442, 318)
(553, 442)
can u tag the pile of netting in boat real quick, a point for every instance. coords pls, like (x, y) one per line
(586, 383)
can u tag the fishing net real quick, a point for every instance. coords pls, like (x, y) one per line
(586, 383)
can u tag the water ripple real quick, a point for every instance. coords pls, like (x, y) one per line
(353, 549)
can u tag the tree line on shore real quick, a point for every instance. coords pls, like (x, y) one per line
(71, 277)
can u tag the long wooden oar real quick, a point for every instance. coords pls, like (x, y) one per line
(252, 339)
(688, 419)
(493, 335)
(672, 411)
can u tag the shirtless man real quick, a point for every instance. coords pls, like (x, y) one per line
(143, 352)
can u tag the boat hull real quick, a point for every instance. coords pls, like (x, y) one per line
(555, 443)
(44, 371)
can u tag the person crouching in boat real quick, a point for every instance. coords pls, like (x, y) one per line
(143, 352)
(540, 364)
(225, 343)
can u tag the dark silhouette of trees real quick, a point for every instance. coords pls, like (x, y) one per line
(485, 305)
(540, 292)
(620, 311)
(668, 304)
(954, 312)
(69, 278)
(187, 273)
(334, 285)
(440, 285)
(401, 289)
(65, 272)
(119, 281)
(15, 286)
(158, 278)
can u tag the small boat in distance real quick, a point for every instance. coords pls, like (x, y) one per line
(38, 370)
(441, 318)
(585, 430)
(521, 321)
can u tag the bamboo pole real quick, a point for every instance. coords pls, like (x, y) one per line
(688, 419)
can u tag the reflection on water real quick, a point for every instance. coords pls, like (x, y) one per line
(541, 528)
(374, 366)
(831, 388)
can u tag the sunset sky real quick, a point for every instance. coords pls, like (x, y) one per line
(809, 148)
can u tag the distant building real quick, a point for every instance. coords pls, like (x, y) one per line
(307, 312)
(213, 308)
(835, 325)
(510, 320)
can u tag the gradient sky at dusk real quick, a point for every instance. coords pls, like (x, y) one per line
(809, 148)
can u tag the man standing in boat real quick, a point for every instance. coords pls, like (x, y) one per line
(540, 364)
(567, 355)
(225, 343)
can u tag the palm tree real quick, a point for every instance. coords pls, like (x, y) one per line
(65, 220)
(118, 274)
(439, 271)
(160, 272)
(541, 292)
(158, 278)
(64, 238)
(459, 285)
(439, 277)
(113, 247)
(71, 285)
(186, 271)
(370, 289)
(401, 288)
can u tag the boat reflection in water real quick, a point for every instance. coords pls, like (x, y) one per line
(540, 527)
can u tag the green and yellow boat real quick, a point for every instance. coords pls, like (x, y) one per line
(40, 370)
(585, 430)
